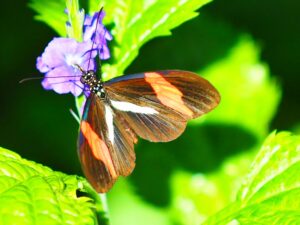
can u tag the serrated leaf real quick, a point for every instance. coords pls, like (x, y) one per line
(275, 169)
(52, 13)
(136, 22)
(270, 194)
(34, 194)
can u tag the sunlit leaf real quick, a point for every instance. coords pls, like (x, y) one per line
(34, 194)
(270, 192)
(249, 95)
(52, 13)
(198, 196)
(128, 208)
(76, 19)
(136, 22)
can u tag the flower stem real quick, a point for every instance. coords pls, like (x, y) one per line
(103, 198)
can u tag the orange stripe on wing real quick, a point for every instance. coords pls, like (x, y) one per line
(167, 93)
(98, 147)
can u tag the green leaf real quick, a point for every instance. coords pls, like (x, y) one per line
(51, 13)
(76, 18)
(270, 193)
(240, 70)
(34, 194)
(128, 208)
(136, 22)
(197, 196)
(195, 169)
(249, 96)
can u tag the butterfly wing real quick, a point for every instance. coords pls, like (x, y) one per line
(157, 104)
(106, 145)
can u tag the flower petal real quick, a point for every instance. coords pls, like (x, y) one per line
(59, 63)
(41, 66)
(53, 55)
(89, 64)
(65, 83)
(104, 52)
(97, 33)
(61, 56)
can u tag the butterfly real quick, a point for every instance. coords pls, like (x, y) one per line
(154, 106)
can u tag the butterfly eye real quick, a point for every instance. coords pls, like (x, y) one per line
(87, 77)
(90, 73)
(84, 78)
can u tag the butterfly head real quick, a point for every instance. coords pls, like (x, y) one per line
(88, 77)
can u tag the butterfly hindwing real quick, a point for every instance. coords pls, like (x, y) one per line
(106, 144)
(157, 105)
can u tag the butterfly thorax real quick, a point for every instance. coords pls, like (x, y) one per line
(95, 85)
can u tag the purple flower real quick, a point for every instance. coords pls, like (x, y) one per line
(97, 33)
(59, 62)
(62, 57)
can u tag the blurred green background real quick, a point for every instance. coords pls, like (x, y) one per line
(226, 37)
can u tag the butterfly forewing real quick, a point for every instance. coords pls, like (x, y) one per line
(106, 144)
(157, 104)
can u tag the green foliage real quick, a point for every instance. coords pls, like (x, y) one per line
(270, 192)
(195, 196)
(51, 13)
(128, 208)
(76, 18)
(34, 194)
(249, 95)
(197, 170)
(249, 101)
(136, 22)
(133, 23)
(54, 15)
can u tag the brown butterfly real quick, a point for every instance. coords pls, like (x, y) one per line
(153, 105)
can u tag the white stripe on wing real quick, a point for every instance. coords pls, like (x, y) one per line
(109, 123)
(130, 107)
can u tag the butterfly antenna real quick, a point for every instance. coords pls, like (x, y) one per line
(97, 21)
(30, 78)
(79, 67)
(39, 78)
